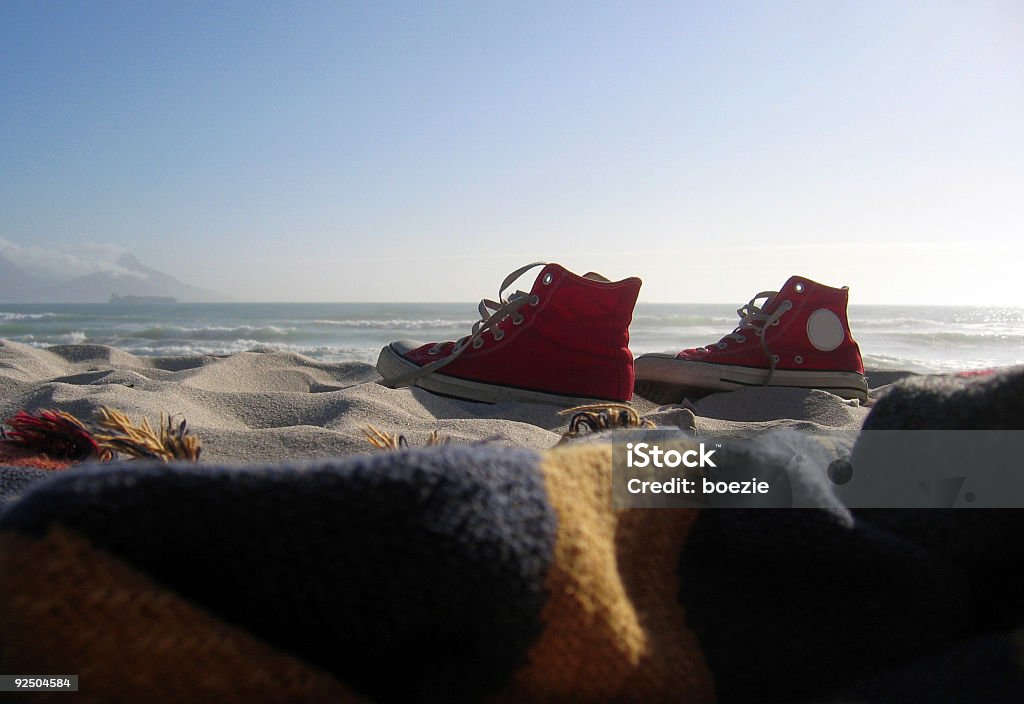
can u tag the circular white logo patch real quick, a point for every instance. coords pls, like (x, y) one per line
(825, 330)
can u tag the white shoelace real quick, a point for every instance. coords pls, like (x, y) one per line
(754, 318)
(492, 313)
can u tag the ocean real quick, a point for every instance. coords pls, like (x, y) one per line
(915, 338)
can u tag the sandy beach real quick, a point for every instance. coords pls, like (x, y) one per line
(273, 406)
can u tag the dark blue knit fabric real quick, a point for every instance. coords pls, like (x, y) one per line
(413, 576)
(903, 605)
(16, 480)
(985, 669)
(791, 603)
(986, 402)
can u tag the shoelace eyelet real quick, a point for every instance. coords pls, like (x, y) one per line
(775, 358)
(722, 345)
(798, 359)
(741, 338)
(478, 343)
(534, 300)
(518, 319)
(499, 334)
(548, 278)
(799, 288)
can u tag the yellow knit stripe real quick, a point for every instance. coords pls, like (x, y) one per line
(613, 626)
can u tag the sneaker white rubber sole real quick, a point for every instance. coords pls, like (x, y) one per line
(664, 378)
(392, 365)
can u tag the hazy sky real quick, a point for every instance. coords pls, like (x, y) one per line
(420, 151)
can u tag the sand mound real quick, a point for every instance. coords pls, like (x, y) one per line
(268, 406)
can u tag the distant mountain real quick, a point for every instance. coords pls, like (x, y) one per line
(129, 278)
(16, 284)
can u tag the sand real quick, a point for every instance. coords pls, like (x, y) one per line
(272, 406)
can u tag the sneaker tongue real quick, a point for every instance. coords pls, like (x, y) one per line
(788, 290)
(771, 304)
(594, 276)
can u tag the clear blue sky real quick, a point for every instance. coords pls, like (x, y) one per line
(420, 151)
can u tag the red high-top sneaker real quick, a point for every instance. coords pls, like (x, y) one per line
(799, 337)
(565, 342)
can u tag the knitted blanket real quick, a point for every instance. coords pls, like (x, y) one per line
(481, 573)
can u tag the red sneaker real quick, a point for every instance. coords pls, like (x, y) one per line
(799, 337)
(565, 342)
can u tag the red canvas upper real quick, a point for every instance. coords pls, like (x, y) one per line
(812, 335)
(574, 341)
